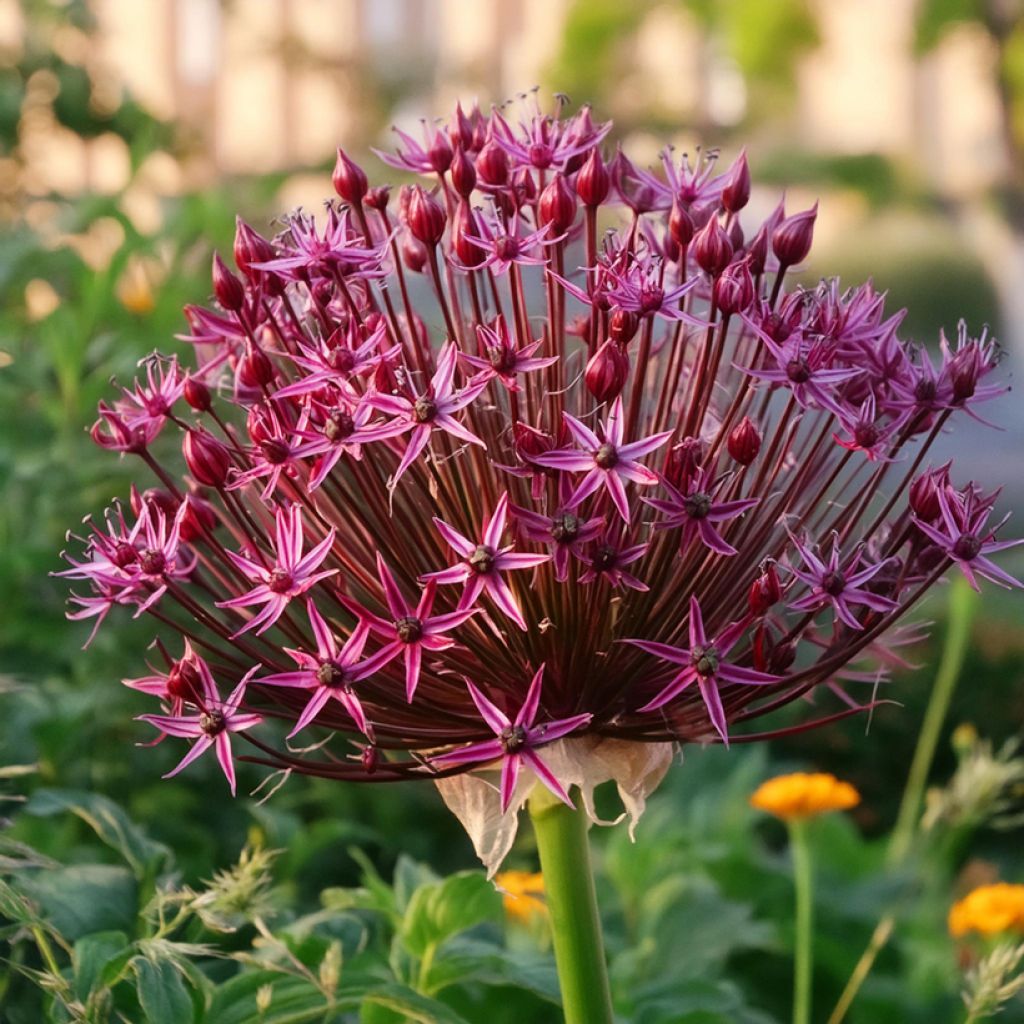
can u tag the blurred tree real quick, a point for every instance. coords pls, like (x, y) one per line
(1002, 21)
(761, 41)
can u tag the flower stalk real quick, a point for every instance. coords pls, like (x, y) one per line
(564, 849)
(803, 880)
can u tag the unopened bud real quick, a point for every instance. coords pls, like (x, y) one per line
(557, 207)
(492, 165)
(964, 369)
(593, 181)
(733, 291)
(414, 254)
(349, 179)
(711, 248)
(440, 152)
(227, 287)
(791, 240)
(377, 198)
(463, 173)
(765, 591)
(198, 520)
(426, 218)
(623, 325)
(684, 460)
(207, 459)
(607, 371)
(197, 394)
(744, 442)
(255, 369)
(736, 193)
(680, 226)
(464, 229)
(924, 493)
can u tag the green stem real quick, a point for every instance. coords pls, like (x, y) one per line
(572, 903)
(962, 606)
(803, 880)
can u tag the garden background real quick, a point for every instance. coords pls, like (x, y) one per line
(131, 133)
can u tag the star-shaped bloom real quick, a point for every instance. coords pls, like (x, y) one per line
(841, 586)
(292, 573)
(703, 663)
(503, 245)
(500, 358)
(605, 560)
(188, 680)
(516, 741)
(605, 460)
(431, 410)
(330, 673)
(967, 539)
(696, 512)
(482, 564)
(411, 631)
(210, 728)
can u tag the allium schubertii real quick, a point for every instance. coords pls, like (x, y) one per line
(529, 474)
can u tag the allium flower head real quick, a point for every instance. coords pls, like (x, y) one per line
(603, 483)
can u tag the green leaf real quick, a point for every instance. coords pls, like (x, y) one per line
(145, 856)
(465, 959)
(395, 1003)
(439, 910)
(93, 955)
(292, 1000)
(162, 993)
(85, 898)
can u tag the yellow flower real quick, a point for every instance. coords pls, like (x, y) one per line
(804, 795)
(522, 894)
(989, 910)
(135, 287)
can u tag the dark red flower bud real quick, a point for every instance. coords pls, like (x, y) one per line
(711, 248)
(464, 229)
(744, 442)
(349, 179)
(492, 165)
(197, 394)
(377, 198)
(683, 461)
(924, 493)
(463, 173)
(524, 188)
(557, 207)
(736, 193)
(623, 325)
(227, 287)
(528, 441)
(369, 757)
(768, 652)
(765, 591)
(734, 232)
(607, 371)
(166, 502)
(680, 226)
(593, 181)
(440, 153)
(414, 254)
(791, 240)
(460, 130)
(425, 217)
(207, 459)
(198, 520)
(249, 248)
(964, 369)
(757, 251)
(733, 290)
(256, 369)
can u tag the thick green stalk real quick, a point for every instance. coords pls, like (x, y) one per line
(803, 956)
(572, 903)
(963, 603)
(962, 606)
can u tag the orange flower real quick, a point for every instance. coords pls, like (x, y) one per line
(989, 910)
(522, 894)
(804, 795)
(135, 287)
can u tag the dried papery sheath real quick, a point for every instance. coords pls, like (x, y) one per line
(601, 482)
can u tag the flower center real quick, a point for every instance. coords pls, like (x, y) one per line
(606, 456)
(506, 247)
(152, 562)
(123, 555)
(541, 155)
(409, 629)
(424, 410)
(565, 528)
(650, 299)
(280, 581)
(501, 359)
(274, 451)
(331, 675)
(338, 425)
(341, 359)
(866, 435)
(605, 558)
(833, 583)
(798, 371)
(967, 546)
(212, 722)
(925, 391)
(697, 505)
(705, 660)
(513, 738)
(482, 560)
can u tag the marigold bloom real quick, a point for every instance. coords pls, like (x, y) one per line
(606, 424)
(989, 910)
(804, 795)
